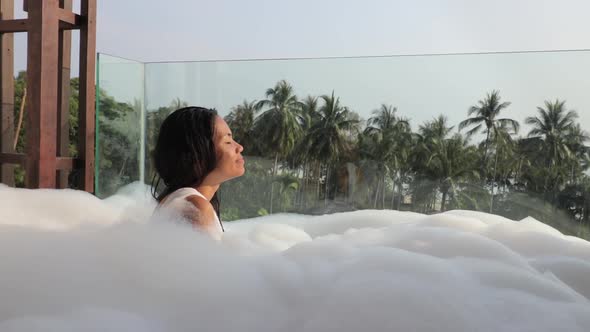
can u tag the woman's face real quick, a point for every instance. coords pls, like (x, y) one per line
(230, 163)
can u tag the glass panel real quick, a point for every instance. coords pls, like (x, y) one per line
(120, 123)
(414, 158)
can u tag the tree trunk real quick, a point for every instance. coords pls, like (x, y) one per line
(318, 181)
(485, 153)
(518, 170)
(383, 192)
(493, 183)
(433, 202)
(301, 188)
(393, 192)
(400, 193)
(272, 181)
(326, 184)
(444, 200)
(376, 193)
(573, 174)
(302, 199)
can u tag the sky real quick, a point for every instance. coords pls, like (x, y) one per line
(233, 29)
(226, 29)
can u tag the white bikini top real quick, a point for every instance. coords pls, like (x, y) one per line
(176, 201)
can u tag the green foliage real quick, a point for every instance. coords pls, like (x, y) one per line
(118, 144)
(20, 83)
(241, 118)
(74, 115)
(386, 165)
(250, 192)
(229, 214)
(278, 126)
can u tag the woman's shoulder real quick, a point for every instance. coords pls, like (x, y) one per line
(186, 191)
(194, 207)
(203, 215)
(192, 196)
(201, 203)
(181, 193)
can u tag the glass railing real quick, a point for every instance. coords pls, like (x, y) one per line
(120, 118)
(414, 158)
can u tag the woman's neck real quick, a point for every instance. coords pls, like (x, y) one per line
(207, 190)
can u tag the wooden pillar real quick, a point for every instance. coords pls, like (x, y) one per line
(87, 97)
(48, 89)
(42, 94)
(7, 93)
(63, 115)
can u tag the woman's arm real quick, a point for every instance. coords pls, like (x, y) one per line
(203, 216)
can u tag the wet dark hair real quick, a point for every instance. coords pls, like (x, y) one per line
(185, 151)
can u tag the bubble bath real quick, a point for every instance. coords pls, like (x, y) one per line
(72, 262)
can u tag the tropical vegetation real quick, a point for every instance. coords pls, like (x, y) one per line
(315, 155)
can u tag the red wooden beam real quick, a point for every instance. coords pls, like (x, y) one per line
(63, 114)
(67, 163)
(18, 25)
(67, 16)
(13, 158)
(67, 19)
(42, 93)
(61, 163)
(86, 128)
(6, 93)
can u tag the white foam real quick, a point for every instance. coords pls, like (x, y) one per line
(71, 262)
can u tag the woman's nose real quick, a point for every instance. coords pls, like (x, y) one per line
(240, 147)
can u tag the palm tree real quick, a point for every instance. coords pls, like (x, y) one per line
(577, 137)
(435, 130)
(429, 138)
(300, 155)
(309, 112)
(326, 139)
(390, 136)
(554, 126)
(241, 121)
(486, 120)
(504, 149)
(451, 163)
(308, 116)
(278, 126)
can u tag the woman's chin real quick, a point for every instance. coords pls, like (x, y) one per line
(239, 172)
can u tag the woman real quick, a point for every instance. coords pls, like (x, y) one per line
(195, 153)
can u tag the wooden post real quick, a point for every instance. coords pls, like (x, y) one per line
(7, 93)
(63, 115)
(48, 87)
(41, 108)
(87, 97)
